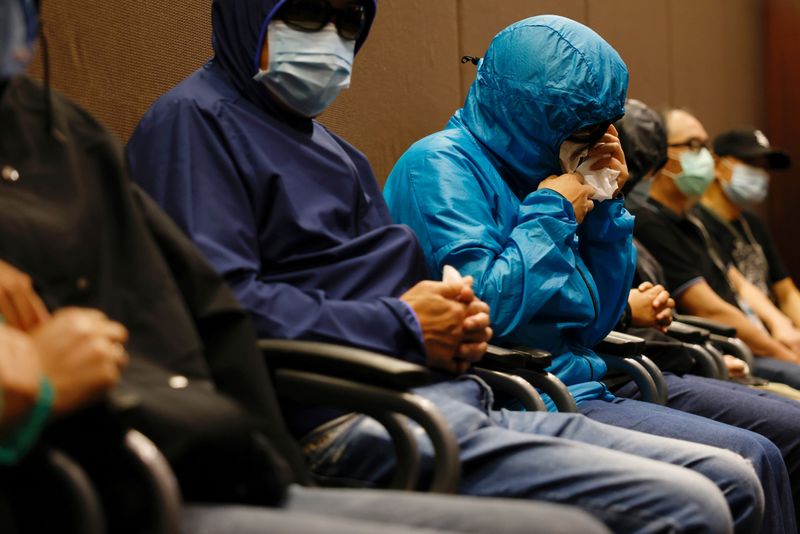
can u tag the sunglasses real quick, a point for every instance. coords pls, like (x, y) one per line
(313, 15)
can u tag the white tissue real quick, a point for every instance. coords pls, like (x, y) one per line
(603, 180)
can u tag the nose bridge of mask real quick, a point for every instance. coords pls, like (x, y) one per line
(307, 70)
(287, 44)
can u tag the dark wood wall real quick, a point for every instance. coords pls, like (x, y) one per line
(782, 60)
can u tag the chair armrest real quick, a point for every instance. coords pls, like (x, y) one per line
(531, 365)
(642, 375)
(377, 402)
(343, 362)
(161, 484)
(509, 359)
(619, 344)
(513, 386)
(694, 335)
(712, 326)
(733, 346)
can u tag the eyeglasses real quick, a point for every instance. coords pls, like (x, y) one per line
(694, 144)
(313, 15)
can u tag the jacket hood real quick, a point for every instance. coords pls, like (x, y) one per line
(239, 29)
(644, 141)
(542, 79)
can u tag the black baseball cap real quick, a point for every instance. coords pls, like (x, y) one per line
(748, 144)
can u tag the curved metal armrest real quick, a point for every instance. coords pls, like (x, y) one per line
(376, 402)
(162, 486)
(343, 362)
(694, 335)
(733, 346)
(708, 324)
(631, 366)
(530, 365)
(85, 501)
(619, 344)
(719, 358)
(514, 386)
(707, 363)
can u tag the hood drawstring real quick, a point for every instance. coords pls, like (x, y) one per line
(470, 59)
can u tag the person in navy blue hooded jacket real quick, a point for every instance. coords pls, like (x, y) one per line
(292, 216)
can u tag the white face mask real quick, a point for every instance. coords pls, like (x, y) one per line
(748, 185)
(573, 160)
(307, 70)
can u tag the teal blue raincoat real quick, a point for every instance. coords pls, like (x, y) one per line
(470, 193)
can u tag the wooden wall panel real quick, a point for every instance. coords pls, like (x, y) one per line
(116, 58)
(782, 57)
(481, 20)
(717, 61)
(639, 30)
(405, 81)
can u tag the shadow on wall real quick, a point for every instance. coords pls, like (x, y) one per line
(115, 59)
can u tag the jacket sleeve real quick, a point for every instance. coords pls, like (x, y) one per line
(188, 163)
(453, 214)
(606, 245)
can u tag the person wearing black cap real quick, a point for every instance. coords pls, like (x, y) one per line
(744, 159)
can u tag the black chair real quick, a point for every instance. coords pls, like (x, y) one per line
(722, 337)
(374, 385)
(697, 340)
(625, 353)
(530, 365)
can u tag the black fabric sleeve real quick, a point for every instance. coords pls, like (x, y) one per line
(672, 250)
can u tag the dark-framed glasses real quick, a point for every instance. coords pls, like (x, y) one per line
(313, 15)
(694, 144)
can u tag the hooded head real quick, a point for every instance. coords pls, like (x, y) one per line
(239, 30)
(18, 29)
(644, 141)
(542, 79)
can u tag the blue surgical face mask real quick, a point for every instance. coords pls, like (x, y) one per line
(17, 36)
(307, 70)
(697, 172)
(748, 185)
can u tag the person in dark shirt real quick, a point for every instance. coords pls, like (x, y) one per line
(740, 237)
(697, 277)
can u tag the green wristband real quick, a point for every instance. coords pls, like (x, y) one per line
(21, 439)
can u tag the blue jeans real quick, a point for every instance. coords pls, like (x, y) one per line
(338, 511)
(777, 371)
(562, 458)
(771, 416)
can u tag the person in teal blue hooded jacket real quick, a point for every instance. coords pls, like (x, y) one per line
(495, 195)
(474, 194)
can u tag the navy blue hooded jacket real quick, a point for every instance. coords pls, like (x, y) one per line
(288, 212)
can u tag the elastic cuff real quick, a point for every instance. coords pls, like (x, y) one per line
(19, 442)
